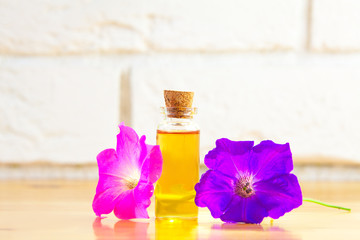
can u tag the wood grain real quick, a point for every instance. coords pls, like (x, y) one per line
(62, 210)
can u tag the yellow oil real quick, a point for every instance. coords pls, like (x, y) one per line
(176, 228)
(174, 193)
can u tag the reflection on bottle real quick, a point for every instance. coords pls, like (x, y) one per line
(123, 229)
(176, 228)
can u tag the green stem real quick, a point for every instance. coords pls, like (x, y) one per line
(325, 204)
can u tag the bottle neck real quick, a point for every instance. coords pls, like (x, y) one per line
(175, 120)
(179, 112)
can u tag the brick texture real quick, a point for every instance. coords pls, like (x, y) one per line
(60, 110)
(133, 26)
(312, 103)
(335, 26)
(72, 70)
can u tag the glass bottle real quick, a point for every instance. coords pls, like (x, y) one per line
(178, 136)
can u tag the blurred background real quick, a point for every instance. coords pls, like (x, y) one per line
(72, 70)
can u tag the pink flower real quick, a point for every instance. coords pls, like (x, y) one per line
(126, 176)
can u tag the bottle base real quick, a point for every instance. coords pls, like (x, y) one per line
(175, 209)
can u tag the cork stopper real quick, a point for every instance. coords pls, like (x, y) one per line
(178, 103)
(178, 98)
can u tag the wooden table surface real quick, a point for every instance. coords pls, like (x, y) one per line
(62, 210)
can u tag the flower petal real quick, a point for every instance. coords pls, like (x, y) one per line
(109, 186)
(280, 194)
(143, 192)
(229, 157)
(108, 162)
(133, 203)
(108, 165)
(247, 210)
(132, 162)
(151, 167)
(128, 150)
(104, 202)
(270, 159)
(214, 191)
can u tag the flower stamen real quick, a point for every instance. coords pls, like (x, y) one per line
(131, 183)
(243, 187)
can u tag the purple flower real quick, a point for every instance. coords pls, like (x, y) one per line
(246, 183)
(126, 176)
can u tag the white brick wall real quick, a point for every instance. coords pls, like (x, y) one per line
(57, 109)
(77, 27)
(335, 26)
(228, 25)
(311, 102)
(70, 71)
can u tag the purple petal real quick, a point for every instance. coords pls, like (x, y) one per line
(229, 157)
(280, 194)
(270, 159)
(133, 203)
(247, 210)
(214, 191)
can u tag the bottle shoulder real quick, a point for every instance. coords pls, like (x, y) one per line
(178, 125)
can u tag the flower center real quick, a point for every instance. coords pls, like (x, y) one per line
(131, 183)
(243, 187)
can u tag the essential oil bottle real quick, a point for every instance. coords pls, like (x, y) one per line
(178, 136)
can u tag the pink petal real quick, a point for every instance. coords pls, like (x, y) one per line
(144, 150)
(107, 161)
(108, 165)
(143, 192)
(152, 163)
(133, 203)
(128, 150)
(104, 202)
(133, 160)
(110, 184)
(125, 207)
